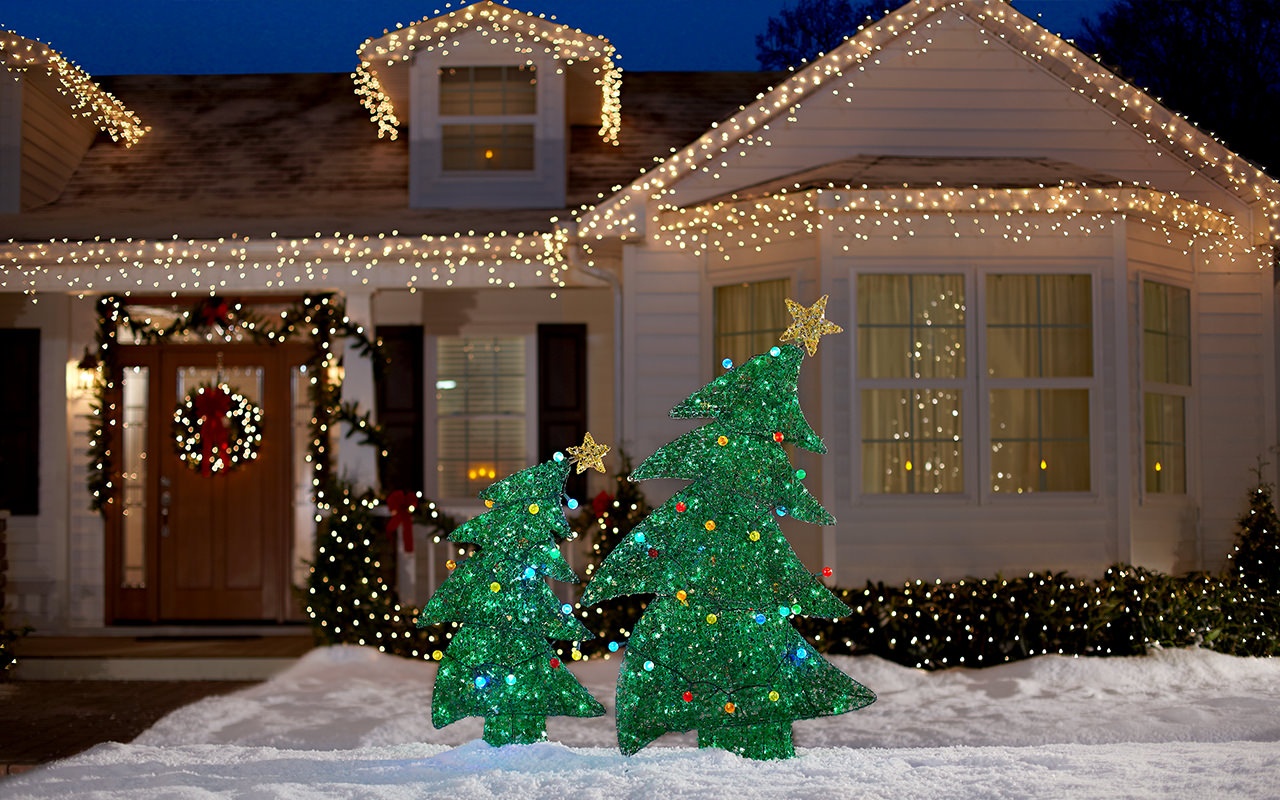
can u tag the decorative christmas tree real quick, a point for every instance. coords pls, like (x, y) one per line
(716, 650)
(1257, 552)
(499, 664)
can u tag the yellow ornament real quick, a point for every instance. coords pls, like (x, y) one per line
(488, 504)
(722, 441)
(711, 619)
(683, 596)
(437, 655)
(729, 708)
(577, 655)
(451, 564)
(710, 525)
(495, 587)
(810, 324)
(754, 536)
(588, 455)
(774, 696)
(533, 508)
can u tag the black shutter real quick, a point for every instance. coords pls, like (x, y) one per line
(562, 394)
(399, 403)
(20, 432)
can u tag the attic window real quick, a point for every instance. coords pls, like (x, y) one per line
(492, 114)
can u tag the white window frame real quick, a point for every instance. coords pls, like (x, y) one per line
(975, 388)
(470, 506)
(457, 120)
(1186, 392)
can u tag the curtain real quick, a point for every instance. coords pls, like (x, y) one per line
(749, 318)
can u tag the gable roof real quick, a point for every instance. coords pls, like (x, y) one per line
(1001, 25)
(382, 81)
(82, 96)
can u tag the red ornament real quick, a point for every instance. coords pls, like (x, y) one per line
(687, 697)
(777, 436)
(653, 553)
(213, 404)
(555, 663)
(827, 572)
(680, 507)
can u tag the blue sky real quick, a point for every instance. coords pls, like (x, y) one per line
(110, 37)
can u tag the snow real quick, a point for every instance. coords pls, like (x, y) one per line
(351, 722)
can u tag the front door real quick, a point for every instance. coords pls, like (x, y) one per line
(206, 545)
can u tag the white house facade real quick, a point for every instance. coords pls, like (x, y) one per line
(1059, 346)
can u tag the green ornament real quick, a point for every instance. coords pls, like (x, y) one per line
(499, 664)
(715, 552)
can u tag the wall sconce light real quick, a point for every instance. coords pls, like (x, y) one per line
(82, 375)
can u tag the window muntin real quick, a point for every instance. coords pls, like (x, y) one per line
(749, 318)
(487, 148)
(912, 361)
(912, 441)
(488, 91)
(1039, 326)
(481, 411)
(1166, 372)
(1039, 440)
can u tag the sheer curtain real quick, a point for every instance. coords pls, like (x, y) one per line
(749, 318)
(1039, 332)
(911, 358)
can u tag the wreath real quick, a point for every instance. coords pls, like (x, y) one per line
(216, 429)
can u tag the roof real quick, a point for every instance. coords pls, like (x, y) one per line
(294, 154)
(1002, 24)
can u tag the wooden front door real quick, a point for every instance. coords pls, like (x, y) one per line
(215, 547)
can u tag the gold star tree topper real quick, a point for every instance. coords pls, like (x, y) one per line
(588, 455)
(810, 324)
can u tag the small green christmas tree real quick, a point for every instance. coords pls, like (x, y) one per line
(500, 664)
(715, 650)
(1257, 552)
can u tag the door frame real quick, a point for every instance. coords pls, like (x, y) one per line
(142, 605)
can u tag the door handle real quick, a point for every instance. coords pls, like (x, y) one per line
(166, 499)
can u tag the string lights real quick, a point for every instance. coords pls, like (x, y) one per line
(757, 125)
(88, 99)
(500, 26)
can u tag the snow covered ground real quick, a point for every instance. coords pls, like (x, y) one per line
(350, 722)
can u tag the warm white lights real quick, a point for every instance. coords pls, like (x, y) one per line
(19, 54)
(500, 26)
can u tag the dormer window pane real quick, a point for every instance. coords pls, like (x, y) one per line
(488, 91)
(482, 148)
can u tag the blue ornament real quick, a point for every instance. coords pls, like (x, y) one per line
(727, 363)
(760, 619)
(801, 653)
(511, 680)
(572, 504)
(775, 351)
(640, 538)
(781, 511)
(558, 457)
(566, 608)
(784, 611)
(481, 681)
(613, 647)
(529, 573)
(648, 666)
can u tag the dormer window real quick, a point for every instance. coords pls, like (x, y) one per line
(488, 117)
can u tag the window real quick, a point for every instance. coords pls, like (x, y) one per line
(481, 412)
(1039, 358)
(912, 364)
(491, 113)
(749, 318)
(1166, 373)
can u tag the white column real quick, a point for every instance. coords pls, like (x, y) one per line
(358, 463)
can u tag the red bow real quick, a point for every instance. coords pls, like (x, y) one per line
(601, 504)
(215, 313)
(401, 508)
(212, 405)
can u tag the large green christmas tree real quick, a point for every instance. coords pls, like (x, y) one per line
(500, 664)
(715, 650)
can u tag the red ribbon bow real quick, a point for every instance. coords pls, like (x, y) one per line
(212, 405)
(401, 507)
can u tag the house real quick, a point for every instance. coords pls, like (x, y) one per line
(1057, 297)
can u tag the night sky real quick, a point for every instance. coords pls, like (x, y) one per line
(113, 37)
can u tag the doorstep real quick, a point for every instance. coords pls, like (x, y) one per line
(150, 657)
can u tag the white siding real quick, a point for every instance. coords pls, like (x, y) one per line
(53, 143)
(957, 96)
